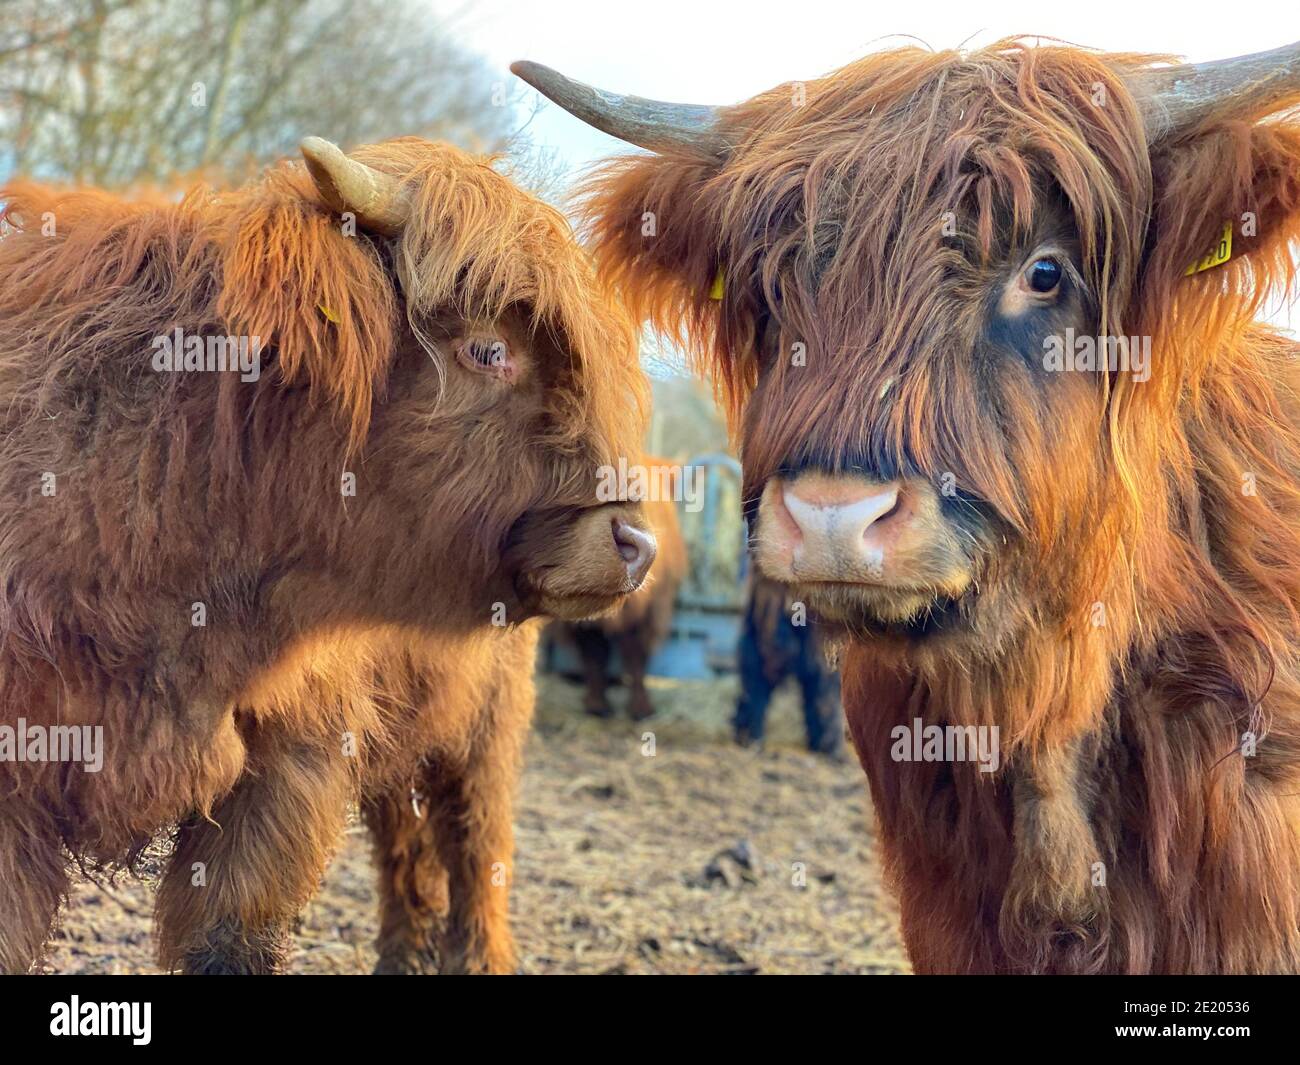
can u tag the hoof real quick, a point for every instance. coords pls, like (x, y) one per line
(228, 952)
(639, 707)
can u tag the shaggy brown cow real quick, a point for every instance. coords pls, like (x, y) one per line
(642, 623)
(919, 252)
(273, 595)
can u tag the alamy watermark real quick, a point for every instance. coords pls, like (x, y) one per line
(53, 743)
(178, 352)
(919, 742)
(1089, 354)
(77, 1018)
(649, 484)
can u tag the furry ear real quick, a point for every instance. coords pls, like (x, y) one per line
(1237, 175)
(655, 225)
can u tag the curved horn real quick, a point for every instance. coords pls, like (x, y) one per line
(650, 124)
(374, 197)
(1177, 98)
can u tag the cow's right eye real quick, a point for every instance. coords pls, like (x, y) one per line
(486, 354)
(1044, 275)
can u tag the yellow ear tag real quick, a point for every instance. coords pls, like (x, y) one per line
(331, 315)
(1216, 256)
(716, 292)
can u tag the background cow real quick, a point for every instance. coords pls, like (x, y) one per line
(276, 594)
(1099, 565)
(641, 624)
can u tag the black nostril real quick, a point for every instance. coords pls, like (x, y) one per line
(898, 505)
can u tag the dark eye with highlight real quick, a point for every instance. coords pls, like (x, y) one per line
(1044, 276)
(486, 354)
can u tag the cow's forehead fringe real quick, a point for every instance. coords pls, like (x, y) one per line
(475, 244)
(832, 187)
(882, 148)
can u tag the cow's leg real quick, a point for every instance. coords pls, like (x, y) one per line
(1052, 914)
(472, 807)
(475, 841)
(413, 897)
(236, 881)
(593, 645)
(632, 649)
(33, 883)
(755, 692)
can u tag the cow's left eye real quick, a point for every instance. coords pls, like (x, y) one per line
(486, 355)
(1044, 276)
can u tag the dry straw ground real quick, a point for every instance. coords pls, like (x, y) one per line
(684, 862)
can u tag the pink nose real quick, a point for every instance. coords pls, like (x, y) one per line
(839, 528)
(638, 548)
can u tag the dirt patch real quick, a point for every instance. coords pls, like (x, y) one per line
(670, 853)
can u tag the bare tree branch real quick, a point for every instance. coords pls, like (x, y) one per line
(118, 92)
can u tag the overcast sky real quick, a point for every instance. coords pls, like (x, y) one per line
(715, 52)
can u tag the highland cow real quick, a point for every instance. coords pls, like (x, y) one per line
(277, 592)
(1097, 561)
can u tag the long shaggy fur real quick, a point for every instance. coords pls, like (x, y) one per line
(1172, 505)
(348, 647)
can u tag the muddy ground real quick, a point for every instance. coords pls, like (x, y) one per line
(702, 858)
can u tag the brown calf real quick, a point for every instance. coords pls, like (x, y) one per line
(270, 589)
